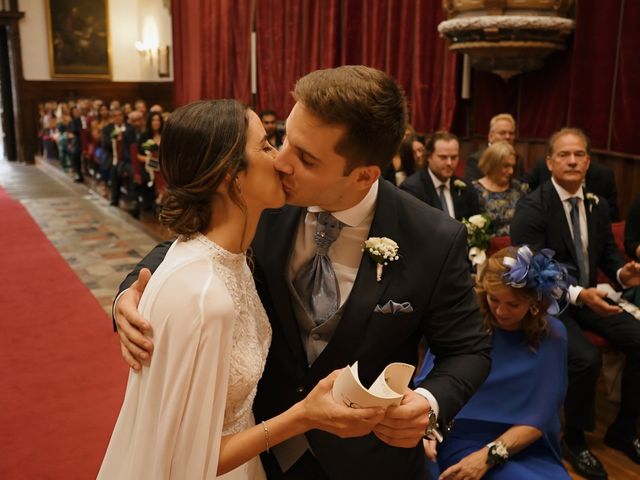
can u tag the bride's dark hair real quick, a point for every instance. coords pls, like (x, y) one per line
(202, 143)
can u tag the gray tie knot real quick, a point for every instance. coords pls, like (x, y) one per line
(327, 230)
(574, 202)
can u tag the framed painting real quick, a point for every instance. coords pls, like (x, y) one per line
(79, 38)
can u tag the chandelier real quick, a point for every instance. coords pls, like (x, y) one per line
(506, 37)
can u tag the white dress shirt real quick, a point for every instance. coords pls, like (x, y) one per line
(447, 191)
(346, 252)
(574, 290)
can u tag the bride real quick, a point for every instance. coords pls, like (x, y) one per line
(189, 414)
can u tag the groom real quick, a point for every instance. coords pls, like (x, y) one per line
(345, 127)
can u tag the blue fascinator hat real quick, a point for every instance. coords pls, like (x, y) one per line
(541, 273)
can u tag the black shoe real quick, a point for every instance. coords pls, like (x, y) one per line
(114, 204)
(78, 180)
(584, 462)
(629, 446)
(134, 212)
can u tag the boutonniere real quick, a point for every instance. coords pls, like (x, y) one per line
(382, 250)
(592, 200)
(459, 184)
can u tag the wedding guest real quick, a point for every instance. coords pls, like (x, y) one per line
(502, 128)
(599, 180)
(510, 429)
(270, 124)
(189, 414)
(437, 185)
(402, 165)
(498, 190)
(561, 215)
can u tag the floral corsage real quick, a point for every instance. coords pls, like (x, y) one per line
(382, 250)
(592, 200)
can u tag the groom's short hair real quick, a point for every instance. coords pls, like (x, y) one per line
(367, 102)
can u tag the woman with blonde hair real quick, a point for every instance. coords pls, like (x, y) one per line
(511, 427)
(499, 192)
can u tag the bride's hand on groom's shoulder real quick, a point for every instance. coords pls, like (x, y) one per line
(135, 347)
(322, 412)
(404, 425)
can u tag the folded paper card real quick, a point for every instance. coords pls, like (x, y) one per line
(387, 390)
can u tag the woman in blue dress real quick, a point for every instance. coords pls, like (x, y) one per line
(510, 429)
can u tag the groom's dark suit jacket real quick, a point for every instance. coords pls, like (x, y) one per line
(540, 221)
(465, 200)
(432, 274)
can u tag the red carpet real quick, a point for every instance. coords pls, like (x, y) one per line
(60, 368)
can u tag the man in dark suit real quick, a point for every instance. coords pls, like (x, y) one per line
(436, 184)
(331, 162)
(563, 216)
(502, 128)
(116, 138)
(599, 180)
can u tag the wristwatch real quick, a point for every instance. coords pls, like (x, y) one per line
(431, 432)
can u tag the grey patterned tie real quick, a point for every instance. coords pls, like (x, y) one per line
(443, 199)
(577, 243)
(316, 282)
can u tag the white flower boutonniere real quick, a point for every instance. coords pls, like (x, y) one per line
(459, 184)
(382, 250)
(592, 200)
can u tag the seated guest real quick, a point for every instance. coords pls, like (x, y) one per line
(632, 230)
(510, 429)
(502, 128)
(402, 165)
(436, 184)
(499, 192)
(599, 180)
(418, 152)
(561, 215)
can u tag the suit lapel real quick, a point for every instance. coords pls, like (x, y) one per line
(557, 216)
(366, 291)
(281, 235)
(430, 190)
(459, 202)
(591, 232)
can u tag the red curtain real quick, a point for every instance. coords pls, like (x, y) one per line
(579, 86)
(211, 44)
(293, 38)
(296, 37)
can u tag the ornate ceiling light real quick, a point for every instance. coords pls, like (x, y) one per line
(506, 37)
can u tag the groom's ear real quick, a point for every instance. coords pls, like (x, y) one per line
(366, 175)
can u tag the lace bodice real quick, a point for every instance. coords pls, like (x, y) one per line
(251, 336)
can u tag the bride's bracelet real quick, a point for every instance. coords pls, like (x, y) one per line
(266, 434)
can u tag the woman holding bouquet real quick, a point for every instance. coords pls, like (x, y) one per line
(148, 148)
(511, 427)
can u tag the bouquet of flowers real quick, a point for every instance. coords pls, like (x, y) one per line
(150, 146)
(478, 237)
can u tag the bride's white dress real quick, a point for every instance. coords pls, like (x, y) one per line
(211, 337)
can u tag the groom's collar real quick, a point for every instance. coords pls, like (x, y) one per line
(357, 214)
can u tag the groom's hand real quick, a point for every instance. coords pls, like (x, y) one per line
(404, 425)
(135, 347)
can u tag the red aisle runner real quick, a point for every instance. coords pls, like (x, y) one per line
(62, 380)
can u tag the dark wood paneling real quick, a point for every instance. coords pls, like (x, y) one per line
(625, 167)
(34, 92)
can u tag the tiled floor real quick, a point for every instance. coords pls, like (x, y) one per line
(101, 243)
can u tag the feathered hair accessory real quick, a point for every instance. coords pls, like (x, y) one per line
(541, 273)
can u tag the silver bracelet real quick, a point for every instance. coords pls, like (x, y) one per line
(266, 434)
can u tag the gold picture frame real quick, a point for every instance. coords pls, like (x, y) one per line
(79, 43)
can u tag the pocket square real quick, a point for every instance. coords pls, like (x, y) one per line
(393, 307)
